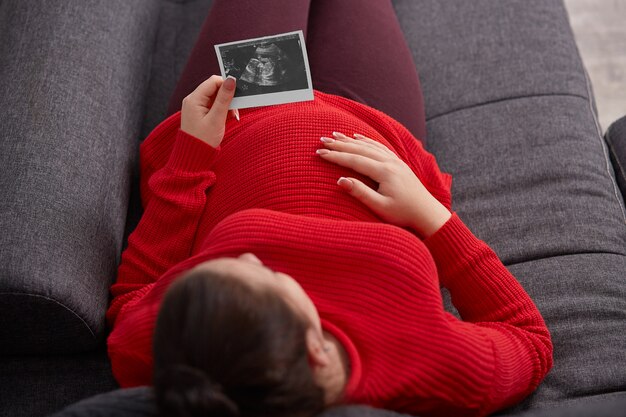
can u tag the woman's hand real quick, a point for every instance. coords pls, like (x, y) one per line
(401, 198)
(204, 111)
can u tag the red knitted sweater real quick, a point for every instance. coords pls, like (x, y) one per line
(376, 286)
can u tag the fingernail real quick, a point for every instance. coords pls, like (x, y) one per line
(327, 140)
(345, 183)
(229, 83)
(356, 135)
(339, 135)
(322, 151)
(236, 111)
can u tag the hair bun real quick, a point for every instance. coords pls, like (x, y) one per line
(188, 391)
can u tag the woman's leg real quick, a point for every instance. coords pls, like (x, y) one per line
(233, 20)
(356, 50)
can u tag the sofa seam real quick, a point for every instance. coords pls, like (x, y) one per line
(601, 139)
(590, 106)
(499, 100)
(622, 172)
(55, 301)
(558, 255)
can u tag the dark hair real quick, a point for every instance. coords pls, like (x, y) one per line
(224, 348)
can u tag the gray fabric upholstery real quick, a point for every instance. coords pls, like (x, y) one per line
(32, 386)
(530, 176)
(129, 402)
(582, 297)
(615, 137)
(605, 405)
(179, 26)
(482, 51)
(139, 402)
(510, 115)
(73, 80)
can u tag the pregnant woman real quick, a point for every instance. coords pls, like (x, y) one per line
(292, 260)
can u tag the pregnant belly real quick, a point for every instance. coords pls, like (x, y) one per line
(274, 166)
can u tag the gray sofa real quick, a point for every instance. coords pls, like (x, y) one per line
(510, 114)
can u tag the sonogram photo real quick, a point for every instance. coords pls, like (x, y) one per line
(272, 64)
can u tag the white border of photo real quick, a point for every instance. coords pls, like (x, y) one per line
(268, 99)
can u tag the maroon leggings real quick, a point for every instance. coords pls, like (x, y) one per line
(356, 49)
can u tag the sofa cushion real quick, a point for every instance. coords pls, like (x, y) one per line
(530, 176)
(585, 308)
(34, 386)
(609, 405)
(73, 80)
(139, 402)
(179, 25)
(582, 296)
(482, 51)
(127, 402)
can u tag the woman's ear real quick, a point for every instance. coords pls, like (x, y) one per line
(315, 345)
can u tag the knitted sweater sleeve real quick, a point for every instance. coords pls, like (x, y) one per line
(502, 331)
(166, 231)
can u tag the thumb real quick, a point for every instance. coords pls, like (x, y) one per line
(219, 109)
(363, 193)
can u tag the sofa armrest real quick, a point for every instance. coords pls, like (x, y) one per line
(73, 80)
(615, 137)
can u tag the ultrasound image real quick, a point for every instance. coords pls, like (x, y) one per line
(270, 66)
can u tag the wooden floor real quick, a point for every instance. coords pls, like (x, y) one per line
(600, 30)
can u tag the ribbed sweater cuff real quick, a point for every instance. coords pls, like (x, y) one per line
(452, 244)
(122, 301)
(191, 154)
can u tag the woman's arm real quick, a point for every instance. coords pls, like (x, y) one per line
(495, 309)
(166, 231)
(502, 326)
